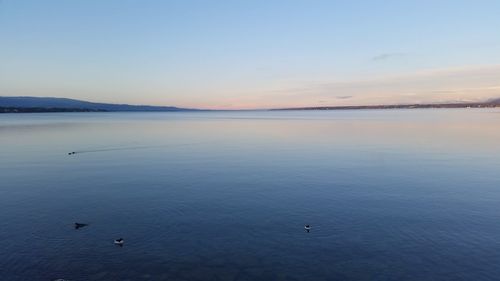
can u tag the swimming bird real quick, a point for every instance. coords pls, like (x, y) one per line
(78, 225)
(71, 153)
(307, 227)
(119, 242)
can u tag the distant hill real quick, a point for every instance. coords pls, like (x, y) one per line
(64, 104)
(495, 101)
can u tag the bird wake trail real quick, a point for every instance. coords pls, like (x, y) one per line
(134, 148)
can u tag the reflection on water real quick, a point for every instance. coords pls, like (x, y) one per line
(390, 195)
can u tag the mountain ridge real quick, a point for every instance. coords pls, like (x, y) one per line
(65, 104)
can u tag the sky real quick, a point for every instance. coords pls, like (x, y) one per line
(251, 54)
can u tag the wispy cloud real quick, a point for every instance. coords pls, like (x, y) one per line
(387, 56)
(471, 83)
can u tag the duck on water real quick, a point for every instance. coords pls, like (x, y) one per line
(80, 225)
(307, 227)
(119, 242)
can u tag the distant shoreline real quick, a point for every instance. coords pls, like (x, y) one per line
(14, 110)
(50, 104)
(397, 106)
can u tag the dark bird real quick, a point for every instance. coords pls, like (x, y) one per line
(79, 225)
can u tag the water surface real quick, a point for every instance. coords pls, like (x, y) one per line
(390, 195)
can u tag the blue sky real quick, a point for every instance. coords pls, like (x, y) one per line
(251, 54)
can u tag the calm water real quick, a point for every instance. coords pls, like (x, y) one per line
(390, 195)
